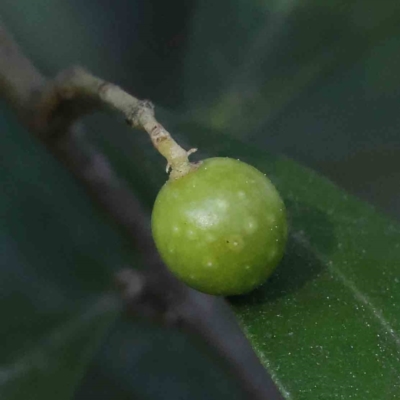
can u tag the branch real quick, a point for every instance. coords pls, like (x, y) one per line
(49, 110)
(85, 92)
(19, 80)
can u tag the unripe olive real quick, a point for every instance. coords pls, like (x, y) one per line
(221, 228)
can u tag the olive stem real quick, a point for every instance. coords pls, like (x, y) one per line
(78, 84)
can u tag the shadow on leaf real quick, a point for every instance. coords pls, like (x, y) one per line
(302, 261)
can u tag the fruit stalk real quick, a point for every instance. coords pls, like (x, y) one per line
(176, 156)
(78, 84)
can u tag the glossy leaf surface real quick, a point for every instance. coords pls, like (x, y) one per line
(326, 323)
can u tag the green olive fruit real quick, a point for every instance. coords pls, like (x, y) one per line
(221, 228)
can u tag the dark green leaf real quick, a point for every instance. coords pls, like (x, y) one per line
(52, 367)
(256, 58)
(326, 323)
(56, 261)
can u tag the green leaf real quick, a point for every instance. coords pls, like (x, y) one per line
(56, 260)
(52, 367)
(326, 323)
(254, 59)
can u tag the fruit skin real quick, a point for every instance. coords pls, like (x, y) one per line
(221, 228)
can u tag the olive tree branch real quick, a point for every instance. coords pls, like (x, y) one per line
(50, 109)
(85, 92)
